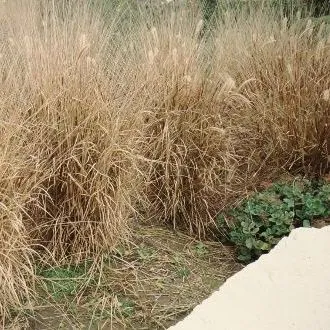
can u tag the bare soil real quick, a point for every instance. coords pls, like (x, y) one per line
(151, 283)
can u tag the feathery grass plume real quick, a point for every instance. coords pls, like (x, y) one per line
(288, 67)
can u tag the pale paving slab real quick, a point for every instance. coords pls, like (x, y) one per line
(289, 288)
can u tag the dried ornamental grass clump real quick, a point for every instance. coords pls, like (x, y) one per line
(68, 158)
(246, 105)
(188, 139)
(85, 141)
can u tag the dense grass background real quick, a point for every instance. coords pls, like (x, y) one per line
(113, 114)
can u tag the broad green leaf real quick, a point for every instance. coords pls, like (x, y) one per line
(306, 223)
(249, 243)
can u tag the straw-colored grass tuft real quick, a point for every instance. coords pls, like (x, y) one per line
(16, 267)
(190, 144)
(68, 141)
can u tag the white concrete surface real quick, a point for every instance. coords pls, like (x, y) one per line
(289, 288)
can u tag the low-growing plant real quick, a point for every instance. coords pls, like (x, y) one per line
(126, 307)
(181, 270)
(200, 249)
(263, 219)
(146, 253)
(63, 281)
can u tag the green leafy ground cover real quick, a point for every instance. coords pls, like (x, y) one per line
(263, 219)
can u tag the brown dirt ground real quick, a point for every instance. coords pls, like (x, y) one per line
(151, 283)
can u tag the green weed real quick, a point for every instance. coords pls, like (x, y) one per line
(127, 307)
(262, 220)
(62, 282)
(146, 253)
(200, 249)
(182, 271)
